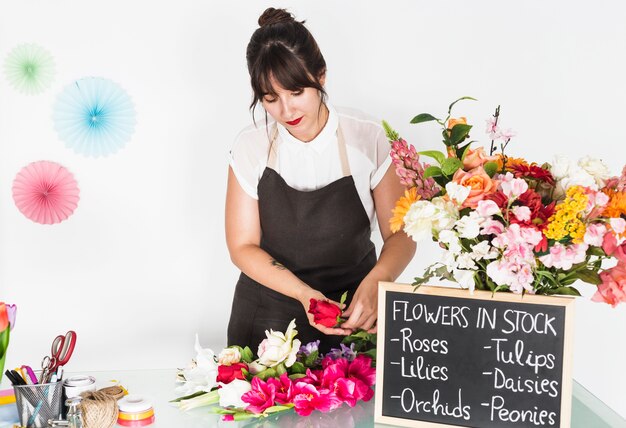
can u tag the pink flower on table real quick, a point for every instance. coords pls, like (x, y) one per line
(612, 290)
(565, 256)
(260, 397)
(228, 418)
(308, 398)
(364, 375)
(284, 388)
(594, 234)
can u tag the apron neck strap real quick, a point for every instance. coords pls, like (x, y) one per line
(341, 146)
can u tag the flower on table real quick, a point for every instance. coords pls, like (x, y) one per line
(284, 388)
(279, 347)
(230, 393)
(227, 374)
(260, 397)
(308, 398)
(229, 356)
(201, 375)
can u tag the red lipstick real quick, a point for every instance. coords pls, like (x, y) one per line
(295, 122)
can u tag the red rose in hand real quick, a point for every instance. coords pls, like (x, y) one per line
(227, 374)
(324, 313)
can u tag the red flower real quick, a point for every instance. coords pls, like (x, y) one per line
(308, 398)
(324, 313)
(227, 374)
(520, 170)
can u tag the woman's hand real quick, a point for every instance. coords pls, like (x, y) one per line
(363, 310)
(305, 296)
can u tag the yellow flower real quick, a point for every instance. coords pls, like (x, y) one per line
(567, 218)
(402, 206)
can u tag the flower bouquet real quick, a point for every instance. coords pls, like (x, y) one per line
(507, 224)
(285, 375)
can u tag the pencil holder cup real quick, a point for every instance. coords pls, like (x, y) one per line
(38, 403)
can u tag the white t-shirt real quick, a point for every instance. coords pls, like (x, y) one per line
(312, 165)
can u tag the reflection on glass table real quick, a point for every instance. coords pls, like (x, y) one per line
(158, 387)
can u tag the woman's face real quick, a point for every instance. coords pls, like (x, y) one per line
(298, 111)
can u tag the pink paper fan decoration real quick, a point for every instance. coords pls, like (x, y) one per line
(45, 192)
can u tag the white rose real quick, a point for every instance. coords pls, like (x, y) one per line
(561, 167)
(279, 347)
(230, 393)
(596, 168)
(578, 177)
(229, 356)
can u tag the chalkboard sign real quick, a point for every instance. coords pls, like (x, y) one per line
(450, 358)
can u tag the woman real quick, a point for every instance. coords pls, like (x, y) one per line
(303, 191)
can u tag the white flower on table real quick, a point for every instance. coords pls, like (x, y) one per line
(229, 356)
(230, 393)
(279, 347)
(201, 375)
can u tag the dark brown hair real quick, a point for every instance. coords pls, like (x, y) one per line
(283, 49)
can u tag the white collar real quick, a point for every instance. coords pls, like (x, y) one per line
(319, 143)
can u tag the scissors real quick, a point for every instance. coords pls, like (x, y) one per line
(61, 352)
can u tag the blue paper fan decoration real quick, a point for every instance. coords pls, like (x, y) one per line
(94, 116)
(29, 68)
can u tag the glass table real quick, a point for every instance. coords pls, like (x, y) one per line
(158, 387)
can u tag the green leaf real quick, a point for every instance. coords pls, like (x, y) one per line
(246, 355)
(344, 296)
(392, 135)
(277, 408)
(437, 155)
(589, 276)
(298, 368)
(297, 376)
(432, 171)
(187, 397)
(458, 133)
(569, 291)
(441, 180)
(267, 373)
(596, 251)
(310, 360)
(490, 168)
(460, 99)
(423, 117)
(450, 166)
(280, 369)
(371, 353)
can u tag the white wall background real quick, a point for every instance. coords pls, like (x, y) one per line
(142, 264)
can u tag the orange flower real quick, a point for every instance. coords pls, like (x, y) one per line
(402, 206)
(480, 183)
(510, 162)
(617, 204)
(452, 121)
(478, 157)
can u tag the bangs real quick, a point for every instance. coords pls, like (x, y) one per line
(277, 63)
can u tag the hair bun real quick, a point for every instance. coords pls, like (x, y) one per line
(275, 16)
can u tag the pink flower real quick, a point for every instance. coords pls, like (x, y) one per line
(507, 135)
(284, 388)
(565, 256)
(517, 275)
(487, 208)
(594, 235)
(410, 170)
(512, 187)
(492, 128)
(361, 369)
(611, 247)
(612, 290)
(521, 213)
(491, 227)
(260, 397)
(618, 225)
(308, 398)
(228, 418)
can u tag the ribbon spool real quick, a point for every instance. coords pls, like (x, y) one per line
(99, 410)
(135, 411)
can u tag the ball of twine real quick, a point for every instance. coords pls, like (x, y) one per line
(116, 392)
(99, 410)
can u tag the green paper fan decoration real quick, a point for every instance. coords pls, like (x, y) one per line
(29, 68)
